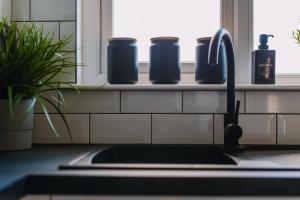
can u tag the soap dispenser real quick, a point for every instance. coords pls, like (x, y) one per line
(263, 62)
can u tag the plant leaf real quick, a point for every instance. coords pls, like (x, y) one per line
(61, 115)
(10, 102)
(47, 116)
(31, 106)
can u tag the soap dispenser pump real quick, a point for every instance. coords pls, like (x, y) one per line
(263, 62)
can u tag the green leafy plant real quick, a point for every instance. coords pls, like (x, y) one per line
(30, 60)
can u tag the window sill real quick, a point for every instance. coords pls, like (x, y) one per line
(285, 82)
(182, 87)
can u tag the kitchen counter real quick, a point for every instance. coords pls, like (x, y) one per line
(36, 172)
(16, 166)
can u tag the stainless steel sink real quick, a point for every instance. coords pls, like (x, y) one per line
(154, 157)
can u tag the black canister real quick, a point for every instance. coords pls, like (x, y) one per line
(207, 74)
(164, 60)
(122, 64)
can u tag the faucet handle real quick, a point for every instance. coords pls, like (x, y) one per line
(232, 132)
(236, 113)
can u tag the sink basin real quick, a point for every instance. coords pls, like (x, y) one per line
(152, 154)
(154, 157)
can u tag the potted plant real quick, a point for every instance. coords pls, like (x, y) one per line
(30, 60)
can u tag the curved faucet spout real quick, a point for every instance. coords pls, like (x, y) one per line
(221, 36)
(232, 131)
(213, 56)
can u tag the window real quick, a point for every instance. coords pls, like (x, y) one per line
(189, 19)
(99, 20)
(186, 19)
(279, 18)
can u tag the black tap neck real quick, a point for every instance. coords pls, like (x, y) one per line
(213, 56)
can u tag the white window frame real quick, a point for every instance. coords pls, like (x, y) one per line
(94, 28)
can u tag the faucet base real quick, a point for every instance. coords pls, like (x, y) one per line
(233, 150)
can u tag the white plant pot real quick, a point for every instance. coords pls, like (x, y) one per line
(16, 133)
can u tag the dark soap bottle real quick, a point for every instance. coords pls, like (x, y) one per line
(263, 62)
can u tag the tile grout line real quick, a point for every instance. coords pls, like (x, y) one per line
(245, 101)
(11, 11)
(76, 34)
(60, 20)
(59, 98)
(120, 103)
(151, 129)
(137, 113)
(182, 102)
(213, 128)
(276, 131)
(30, 4)
(59, 31)
(101, 31)
(89, 128)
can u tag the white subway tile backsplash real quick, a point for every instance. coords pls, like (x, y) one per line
(120, 128)
(68, 75)
(108, 125)
(68, 29)
(219, 129)
(53, 10)
(288, 129)
(208, 101)
(257, 129)
(151, 102)
(91, 102)
(48, 28)
(78, 123)
(272, 102)
(20, 10)
(182, 129)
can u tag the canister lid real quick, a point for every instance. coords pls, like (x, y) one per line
(165, 38)
(204, 40)
(122, 39)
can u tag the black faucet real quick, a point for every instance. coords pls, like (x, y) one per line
(232, 131)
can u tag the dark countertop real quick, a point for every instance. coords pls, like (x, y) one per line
(16, 166)
(36, 172)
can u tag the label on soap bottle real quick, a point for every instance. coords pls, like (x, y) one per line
(264, 67)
